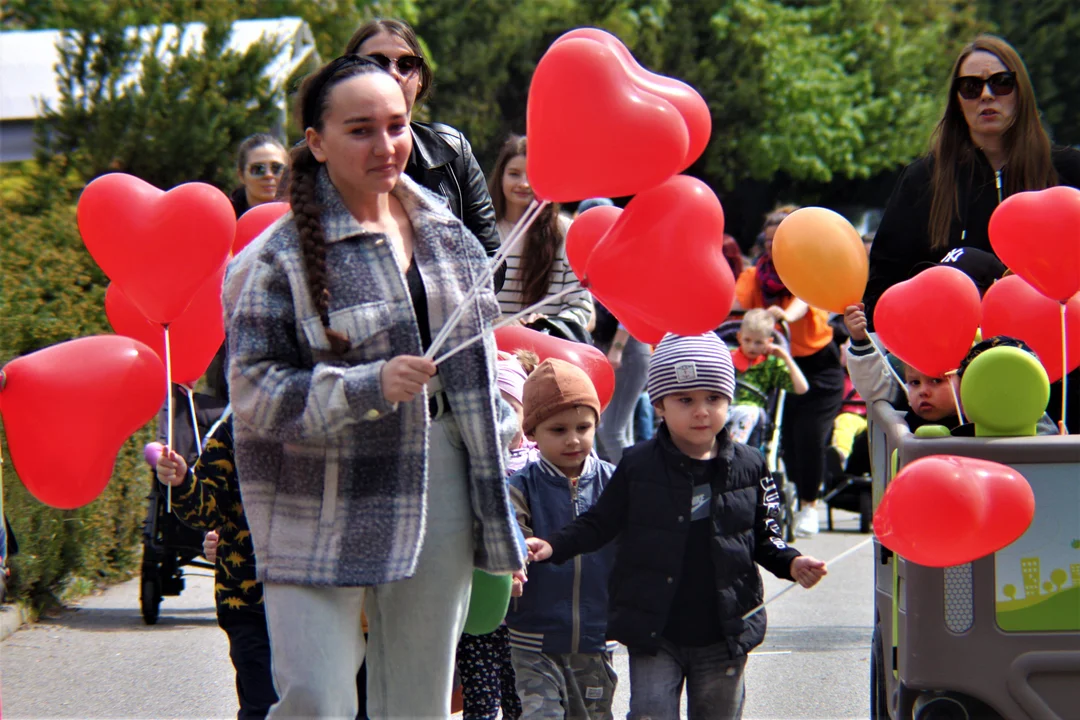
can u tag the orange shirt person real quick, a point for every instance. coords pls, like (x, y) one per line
(808, 418)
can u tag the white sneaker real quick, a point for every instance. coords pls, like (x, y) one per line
(806, 522)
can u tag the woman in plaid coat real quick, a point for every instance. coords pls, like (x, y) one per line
(370, 477)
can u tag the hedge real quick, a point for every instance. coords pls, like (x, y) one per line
(53, 291)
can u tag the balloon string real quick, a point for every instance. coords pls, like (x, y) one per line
(169, 411)
(888, 365)
(507, 321)
(955, 397)
(194, 421)
(1062, 427)
(516, 234)
(792, 586)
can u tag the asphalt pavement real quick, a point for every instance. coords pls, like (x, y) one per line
(98, 660)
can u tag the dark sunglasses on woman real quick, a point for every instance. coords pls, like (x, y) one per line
(406, 64)
(259, 169)
(970, 87)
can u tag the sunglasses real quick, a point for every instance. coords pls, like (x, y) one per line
(406, 64)
(259, 169)
(970, 87)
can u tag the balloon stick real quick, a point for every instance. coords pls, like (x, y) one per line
(168, 411)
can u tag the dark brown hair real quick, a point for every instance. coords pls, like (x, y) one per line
(403, 30)
(313, 101)
(250, 143)
(544, 238)
(1027, 145)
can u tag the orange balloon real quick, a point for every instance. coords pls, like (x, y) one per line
(821, 258)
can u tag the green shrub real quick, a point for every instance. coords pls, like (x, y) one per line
(53, 291)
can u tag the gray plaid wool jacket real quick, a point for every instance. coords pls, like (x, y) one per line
(334, 478)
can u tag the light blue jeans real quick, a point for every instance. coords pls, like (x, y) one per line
(413, 625)
(616, 431)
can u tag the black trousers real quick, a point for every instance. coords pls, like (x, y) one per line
(249, 648)
(808, 420)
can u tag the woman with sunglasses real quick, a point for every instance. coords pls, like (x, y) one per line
(988, 145)
(261, 162)
(442, 159)
(371, 480)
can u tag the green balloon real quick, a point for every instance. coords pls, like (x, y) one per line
(932, 431)
(1004, 392)
(489, 602)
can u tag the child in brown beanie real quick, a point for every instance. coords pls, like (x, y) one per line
(558, 626)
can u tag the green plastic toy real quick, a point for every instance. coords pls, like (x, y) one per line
(489, 602)
(1004, 392)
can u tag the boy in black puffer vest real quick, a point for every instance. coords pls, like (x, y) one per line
(694, 511)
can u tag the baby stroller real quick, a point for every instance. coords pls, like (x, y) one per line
(846, 489)
(168, 544)
(767, 435)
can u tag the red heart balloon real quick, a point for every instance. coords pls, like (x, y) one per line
(1037, 235)
(689, 103)
(946, 510)
(930, 321)
(1010, 504)
(89, 395)
(1012, 307)
(663, 259)
(592, 361)
(592, 132)
(194, 337)
(160, 247)
(254, 221)
(585, 232)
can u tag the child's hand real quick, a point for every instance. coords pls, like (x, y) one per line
(807, 571)
(777, 351)
(517, 587)
(209, 546)
(171, 468)
(538, 549)
(855, 320)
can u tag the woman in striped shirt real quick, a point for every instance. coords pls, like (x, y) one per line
(537, 268)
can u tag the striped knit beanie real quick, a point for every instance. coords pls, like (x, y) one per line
(682, 364)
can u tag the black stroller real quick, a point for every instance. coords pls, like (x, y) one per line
(850, 488)
(168, 544)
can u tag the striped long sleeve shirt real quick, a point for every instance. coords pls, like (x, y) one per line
(577, 306)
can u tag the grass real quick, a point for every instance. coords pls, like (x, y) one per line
(1058, 612)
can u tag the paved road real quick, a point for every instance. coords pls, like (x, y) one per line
(100, 661)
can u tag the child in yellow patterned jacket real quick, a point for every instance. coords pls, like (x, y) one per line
(207, 497)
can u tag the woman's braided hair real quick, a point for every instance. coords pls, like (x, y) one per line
(314, 97)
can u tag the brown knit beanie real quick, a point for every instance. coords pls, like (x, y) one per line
(554, 386)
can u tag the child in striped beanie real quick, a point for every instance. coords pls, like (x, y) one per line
(695, 514)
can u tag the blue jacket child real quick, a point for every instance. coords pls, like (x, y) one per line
(558, 627)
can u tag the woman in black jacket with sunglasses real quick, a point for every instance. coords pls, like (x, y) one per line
(988, 145)
(442, 159)
(261, 162)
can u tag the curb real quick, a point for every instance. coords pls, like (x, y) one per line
(12, 617)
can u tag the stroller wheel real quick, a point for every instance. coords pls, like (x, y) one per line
(150, 600)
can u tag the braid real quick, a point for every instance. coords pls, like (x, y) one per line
(306, 213)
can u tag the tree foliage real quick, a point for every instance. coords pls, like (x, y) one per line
(1046, 34)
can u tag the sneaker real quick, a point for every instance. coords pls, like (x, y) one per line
(806, 522)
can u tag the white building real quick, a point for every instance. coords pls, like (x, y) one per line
(28, 75)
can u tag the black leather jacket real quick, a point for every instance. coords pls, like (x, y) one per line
(442, 161)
